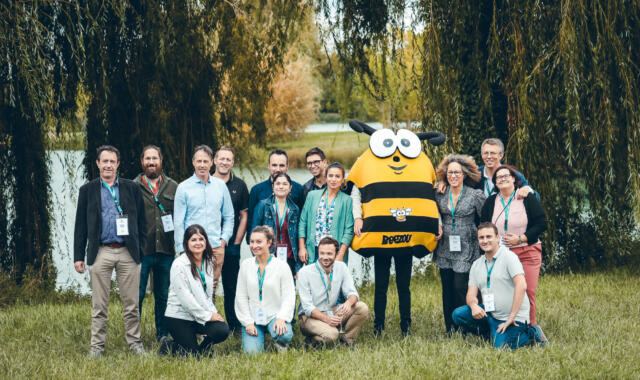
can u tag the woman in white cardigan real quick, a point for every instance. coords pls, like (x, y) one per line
(265, 295)
(190, 308)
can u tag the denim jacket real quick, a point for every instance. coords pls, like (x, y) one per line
(265, 215)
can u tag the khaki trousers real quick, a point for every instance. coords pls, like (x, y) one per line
(320, 332)
(218, 261)
(128, 277)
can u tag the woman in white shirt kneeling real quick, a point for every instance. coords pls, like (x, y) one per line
(265, 295)
(190, 308)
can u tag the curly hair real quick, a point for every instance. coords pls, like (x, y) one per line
(469, 169)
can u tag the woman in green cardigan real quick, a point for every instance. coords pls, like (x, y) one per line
(326, 212)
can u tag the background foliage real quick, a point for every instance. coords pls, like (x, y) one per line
(171, 73)
(557, 81)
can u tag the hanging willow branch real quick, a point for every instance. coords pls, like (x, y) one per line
(557, 81)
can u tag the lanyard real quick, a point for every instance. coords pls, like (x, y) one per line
(154, 194)
(281, 219)
(327, 288)
(489, 270)
(327, 207)
(486, 186)
(112, 191)
(506, 208)
(204, 281)
(453, 208)
(261, 277)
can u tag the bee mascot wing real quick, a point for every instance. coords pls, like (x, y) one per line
(395, 174)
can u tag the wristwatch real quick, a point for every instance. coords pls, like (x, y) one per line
(519, 239)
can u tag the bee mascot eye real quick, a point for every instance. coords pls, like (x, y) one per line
(383, 143)
(399, 212)
(410, 145)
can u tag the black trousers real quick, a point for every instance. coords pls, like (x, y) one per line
(382, 268)
(230, 271)
(454, 293)
(184, 335)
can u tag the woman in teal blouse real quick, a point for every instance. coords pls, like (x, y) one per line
(326, 212)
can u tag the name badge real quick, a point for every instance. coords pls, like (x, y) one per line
(454, 243)
(122, 225)
(167, 223)
(261, 317)
(489, 302)
(281, 251)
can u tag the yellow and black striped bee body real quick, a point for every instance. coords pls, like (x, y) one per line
(395, 179)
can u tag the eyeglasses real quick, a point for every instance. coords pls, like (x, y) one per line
(455, 173)
(490, 154)
(313, 163)
(503, 177)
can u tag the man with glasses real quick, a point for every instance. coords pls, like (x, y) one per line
(492, 151)
(316, 164)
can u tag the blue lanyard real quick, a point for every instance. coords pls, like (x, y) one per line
(507, 207)
(261, 277)
(489, 270)
(453, 208)
(327, 288)
(204, 281)
(154, 194)
(281, 218)
(486, 186)
(327, 207)
(113, 194)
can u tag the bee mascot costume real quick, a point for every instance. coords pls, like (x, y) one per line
(393, 180)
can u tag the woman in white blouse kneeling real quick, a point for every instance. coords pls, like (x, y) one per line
(190, 308)
(265, 295)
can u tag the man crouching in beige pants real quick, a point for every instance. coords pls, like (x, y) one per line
(319, 286)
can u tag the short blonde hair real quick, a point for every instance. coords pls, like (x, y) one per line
(469, 169)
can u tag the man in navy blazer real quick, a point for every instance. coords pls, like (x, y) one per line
(110, 232)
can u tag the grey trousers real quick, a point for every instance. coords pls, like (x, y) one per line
(128, 278)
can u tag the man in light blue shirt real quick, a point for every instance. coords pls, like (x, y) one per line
(205, 200)
(319, 286)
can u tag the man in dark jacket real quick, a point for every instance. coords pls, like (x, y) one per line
(110, 232)
(158, 192)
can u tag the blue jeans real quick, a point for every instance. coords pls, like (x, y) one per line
(255, 344)
(513, 337)
(161, 266)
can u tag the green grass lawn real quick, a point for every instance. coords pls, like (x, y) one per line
(591, 321)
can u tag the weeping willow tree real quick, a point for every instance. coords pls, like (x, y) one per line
(38, 79)
(171, 73)
(557, 81)
(177, 73)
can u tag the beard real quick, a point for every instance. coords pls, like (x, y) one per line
(152, 172)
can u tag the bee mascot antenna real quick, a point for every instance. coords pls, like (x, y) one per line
(395, 179)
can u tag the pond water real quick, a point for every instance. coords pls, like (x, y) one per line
(66, 178)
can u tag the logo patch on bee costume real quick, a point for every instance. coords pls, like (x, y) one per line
(400, 213)
(396, 239)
